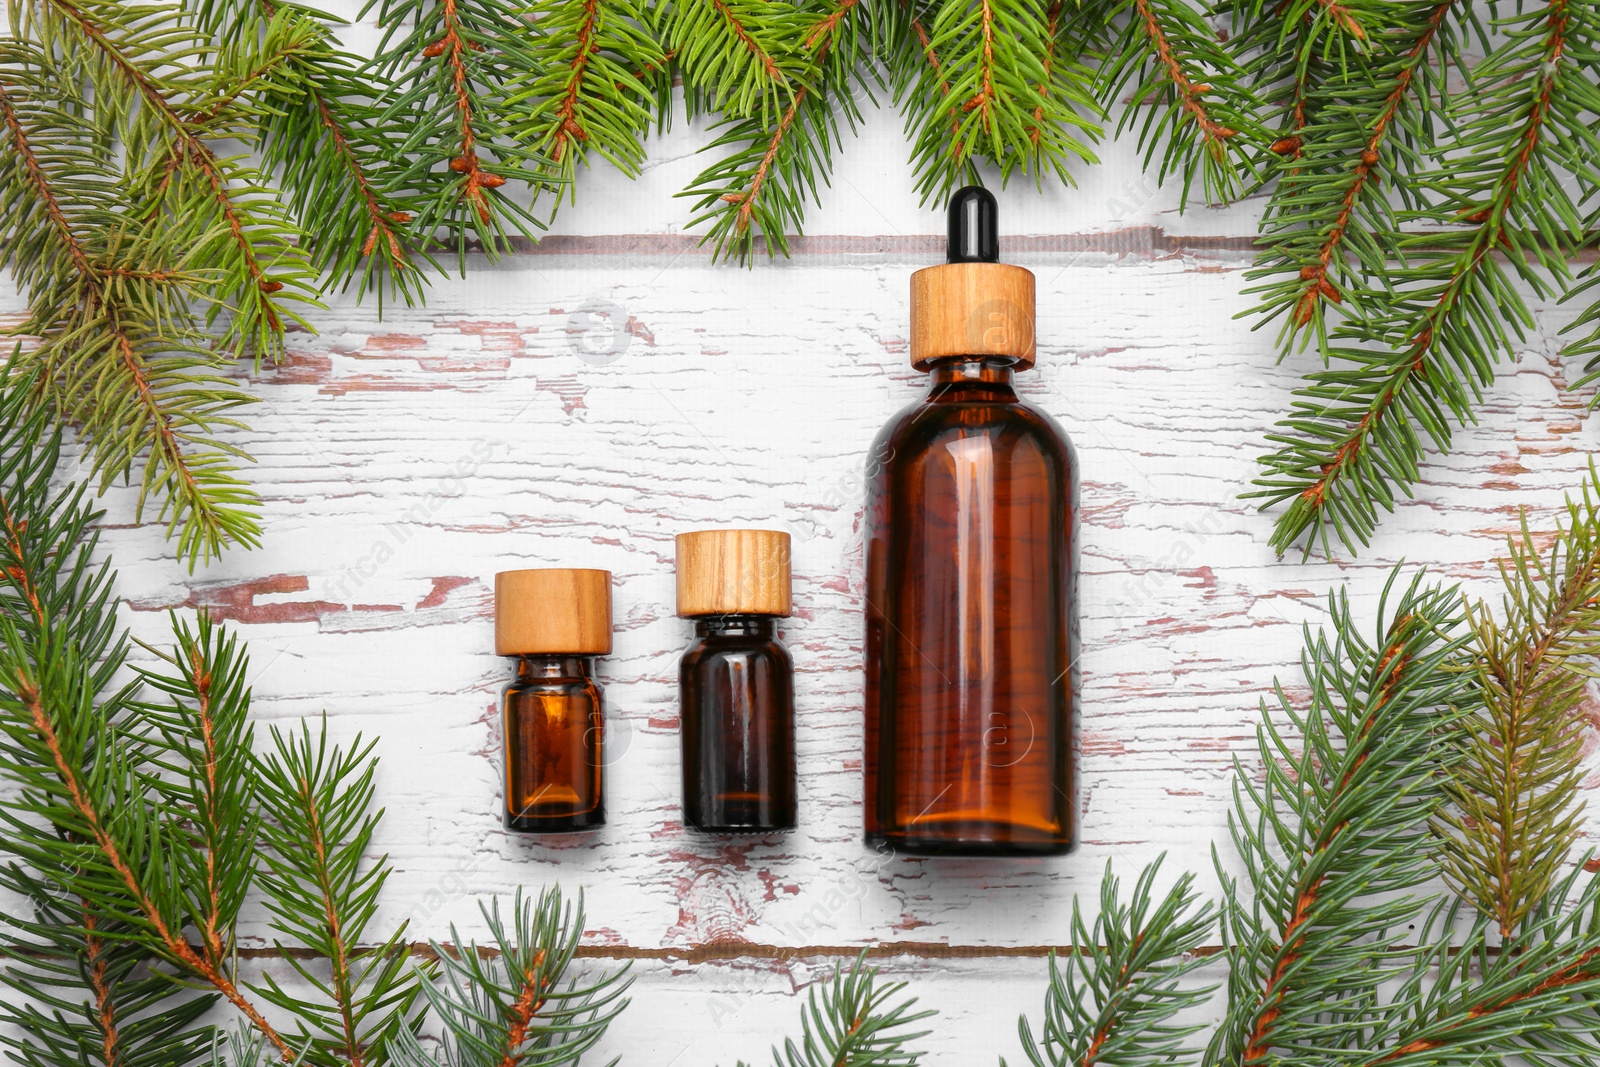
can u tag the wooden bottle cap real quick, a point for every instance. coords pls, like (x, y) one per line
(972, 309)
(733, 572)
(552, 611)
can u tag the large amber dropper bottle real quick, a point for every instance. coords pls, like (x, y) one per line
(971, 636)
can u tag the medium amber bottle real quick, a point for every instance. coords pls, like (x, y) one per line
(736, 682)
(554, 621)
(971, 629)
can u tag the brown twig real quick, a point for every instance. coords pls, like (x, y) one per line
(820, 38)
(1189, 93)
(343, 987)
(567, 124)
(925, 44)
(983, 100)
(747, 200)
(743, 36)
(1052, 27)
(382, 223)
(100, 988)
(523, 1010)
(1342, 15)
(455, 49)
(199, 678)
(41, 185)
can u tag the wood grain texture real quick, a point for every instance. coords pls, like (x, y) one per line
(563, 610)
(581, 404)
(961, 309)
(740, 572)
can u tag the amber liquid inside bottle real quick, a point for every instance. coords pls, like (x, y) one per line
(736, 684)
(554, 727)
(971, 638)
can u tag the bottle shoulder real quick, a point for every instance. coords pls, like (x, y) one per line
(563, 688)
(926, 424)
(711, 651)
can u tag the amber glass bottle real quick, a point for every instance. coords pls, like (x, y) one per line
(971, 635)
(554, 621)
(736, 682)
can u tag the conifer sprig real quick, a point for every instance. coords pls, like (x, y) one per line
(1336, 838)
(87, 988)
(318, 130)
(323, 891)
(1472, 996)
(1185, 95)
(85, 821)
(195, 709)
(130, 234)
(1431, 314)
(986, 81)
(448, 67)
(174, 97)
(1112, 1000)
(1516, 810)
(1324, 233)
(854, 1020)
(737, 57)
(778, 163)
(597, 86)
(80, 989)
(516, 1005)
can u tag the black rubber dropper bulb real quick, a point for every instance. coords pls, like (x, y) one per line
(974, 226)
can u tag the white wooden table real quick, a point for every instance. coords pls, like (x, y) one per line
(405, 459)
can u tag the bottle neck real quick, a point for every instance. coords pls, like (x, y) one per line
(759, 626)
(969, 378)
(545, 666)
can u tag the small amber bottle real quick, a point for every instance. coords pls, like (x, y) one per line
(554, 621)
(736, 682)
(971, 575)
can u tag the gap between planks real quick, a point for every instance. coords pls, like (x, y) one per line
(719, 951)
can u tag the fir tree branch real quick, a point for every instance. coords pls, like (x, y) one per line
(761, 187)
(87, 993)
(1289, 48)
(317, 131)
(220, 201)
(112, 307)
(320, 824)
(986, 81)
(1337, 823)
(81, 811)
(83, 995)
(596, 88)
(1329, 195)
(1532, 994)
(854, 1022)
(1111, 1003)
(517, 1007)
(203, 772)
(1517, 811)
(447, 83)
(742, 58)
(1429, 333)
(1193, 98)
